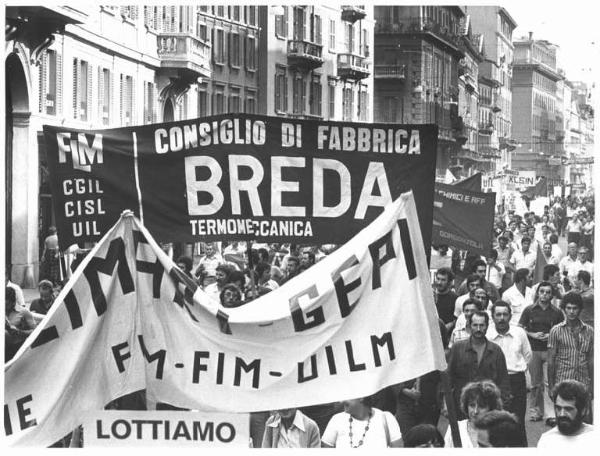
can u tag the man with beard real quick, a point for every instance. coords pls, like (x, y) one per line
(513, 341)
(570, 405)
(476, 358)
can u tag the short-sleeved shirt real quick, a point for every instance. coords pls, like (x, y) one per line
(554, 439)
(39, 306)
(587, 313)
(337, 433)
(574, 347)
(536, 319)
(445, 306)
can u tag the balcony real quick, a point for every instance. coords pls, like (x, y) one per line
(304, 54)
(470, 83)
(352, 13)
(415, 25)
(486, 128)
(352, 66)
(390, 72)
(183, 51)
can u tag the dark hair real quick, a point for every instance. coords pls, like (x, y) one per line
(236, 276)
(521, 275)
(585, 277)
(493, 254)
(572, 298)
(500, 303)
(472, 301)
(572, 390)
(473, 278)
(484, 392)
(543, 283)
(502, 236)
(261, 267)
(294, 258)
(187, 261)
(481, 313)
(263, 254)
(10, 295)
(446, 272)
(503, 428)
(477, 263)
(311, 256)
(526, 239)
(232, 287)
(227, 269)
(549, 271)
(422, 434)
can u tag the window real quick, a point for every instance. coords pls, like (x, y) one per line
(104, 95)
(82, 88)
(235, 50)
(331, 87)
(349, 38)
(202, 101)
(251, 53)
(318, 34)
(250, 107)
(365, 43)
(281, 23)
(348, 103)
(219, 46)
(202, 31)
(219, 99)
(251, 15)
(221, 11)
(280, 89)
(331, 34)
(126, 100)
(299, 24)
(363, 105)
(235, 100)
(149, 109)
(315, 96)
(299, 94)
(50, 83)
(236, 13)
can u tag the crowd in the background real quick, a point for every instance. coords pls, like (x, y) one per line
(515, 322)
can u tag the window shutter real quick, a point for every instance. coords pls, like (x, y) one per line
(101, 99)
(76, 79)
(303, 92)
(131, 101)
(88, 114)
(42, 83)
(121, 99)
(146, 103)
(285, 92)
(154, 104)
(284, 21)
(59, 86)
(277, 91)
(318, 31)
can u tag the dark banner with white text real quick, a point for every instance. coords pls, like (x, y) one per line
(239, 177)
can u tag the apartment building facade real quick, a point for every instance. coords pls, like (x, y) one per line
(317, 62)
(535, 77)
(417, 54)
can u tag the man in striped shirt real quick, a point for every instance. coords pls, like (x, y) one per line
(571, 346)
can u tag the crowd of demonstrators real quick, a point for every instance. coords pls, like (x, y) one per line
(525, 326)
(508, 325)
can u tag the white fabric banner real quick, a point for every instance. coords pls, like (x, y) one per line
(361, 319)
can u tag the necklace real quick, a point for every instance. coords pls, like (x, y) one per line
(362, 439)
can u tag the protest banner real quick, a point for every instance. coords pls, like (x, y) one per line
(360, 320)
(473, 183)
(125, 428)
(463, 218)
(521, 180)
(240, 177)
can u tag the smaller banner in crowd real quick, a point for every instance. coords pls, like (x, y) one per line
(124, 428)
(463, 218)
(472, 183)
(521, 180)
(360, 320)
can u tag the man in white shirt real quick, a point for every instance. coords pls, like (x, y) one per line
(571, 401)
(580, 264)
(473, 282)
(494, 270)
(514, 343)
(524, 258)
(568, 260)
(520, 295)
(548, 256)
(290, 428)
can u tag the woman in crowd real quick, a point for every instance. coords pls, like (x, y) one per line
(476, 399)
(361, 426)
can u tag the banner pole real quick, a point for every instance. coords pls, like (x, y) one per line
(250, 269)
(450, 407)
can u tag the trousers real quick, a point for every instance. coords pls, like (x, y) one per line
(538, 368)
(518, 405)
